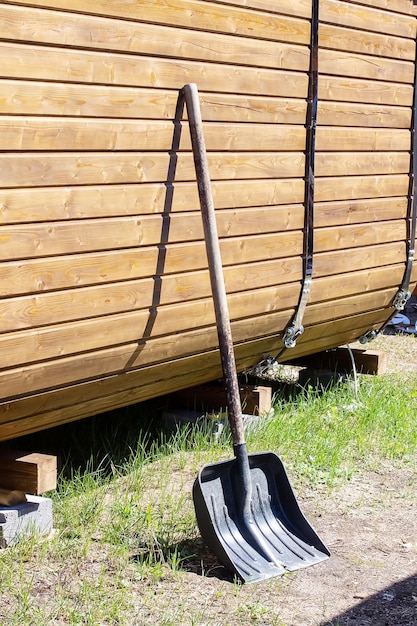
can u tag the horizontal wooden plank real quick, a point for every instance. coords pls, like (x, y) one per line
(155, 167)
(57, 406)
(132, 263)
(108, 168)
(400, 6)
(120, 359)
(208, 366)
(355, 65)
(118, 8)
(363, 115)
(40, 133)
(66, 99)
(359, 211)
(377, 44)
(301, 8)
(102, 68)
(360, 90)
(356, 163)
(62, 340)
(357, 187)
(59, 204)
(50, 64)
(331, 288)
(71, 202)
(81, 31)
(114, 299)
(330, 263)
(77, 30)
(61, 238)
(341, 196)
(49, 238)
(30, 414)
(351, 236)
(345, 307)
(31, 378)
(94, 334)
(53, 408)
(19, 97)
(30, 170)
(54, 134)
(198, 16)
(367, 18)
(44, 275)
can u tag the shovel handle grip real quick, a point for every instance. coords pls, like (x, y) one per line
(190, 94)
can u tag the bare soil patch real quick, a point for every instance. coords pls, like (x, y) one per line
(370, 526)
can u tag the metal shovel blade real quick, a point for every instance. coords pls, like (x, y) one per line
(274, 539)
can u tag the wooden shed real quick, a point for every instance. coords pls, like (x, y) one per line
(105, 293)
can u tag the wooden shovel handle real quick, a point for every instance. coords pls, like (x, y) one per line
(190, 93)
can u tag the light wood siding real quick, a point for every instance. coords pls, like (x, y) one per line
(104, 289)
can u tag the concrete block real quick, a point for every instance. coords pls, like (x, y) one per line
(33, 517)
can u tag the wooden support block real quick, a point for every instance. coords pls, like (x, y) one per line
(339, 360)
(32, 473)
(255, 399)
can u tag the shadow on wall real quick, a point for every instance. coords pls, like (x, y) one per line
(393, 606)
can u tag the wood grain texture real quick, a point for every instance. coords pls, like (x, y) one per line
(364, 17)
(408, 8)
(19, 97)
(202, 16)
(72, 202)
(104, 286)
(45, 63)
(81, 31)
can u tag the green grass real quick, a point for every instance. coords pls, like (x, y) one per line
(126, 541)
(329, 436)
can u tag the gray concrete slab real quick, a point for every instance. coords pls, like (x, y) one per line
(33, 517)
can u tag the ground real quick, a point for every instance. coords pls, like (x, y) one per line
(370, 527)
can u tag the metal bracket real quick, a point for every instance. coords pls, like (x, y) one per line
(369, 336)
(289, 338)
(296, 329)
(401, 299)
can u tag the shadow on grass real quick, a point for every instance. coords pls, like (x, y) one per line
(394, 606)
(98, 443)
(189, 555)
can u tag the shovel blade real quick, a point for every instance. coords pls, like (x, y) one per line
(275, 538)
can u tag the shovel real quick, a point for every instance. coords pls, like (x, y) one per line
(245, 507)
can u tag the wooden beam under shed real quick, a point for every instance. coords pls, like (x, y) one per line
(339, 360)
(255, 399)
(32, 473)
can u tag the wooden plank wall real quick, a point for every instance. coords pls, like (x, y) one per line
(104, 290)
